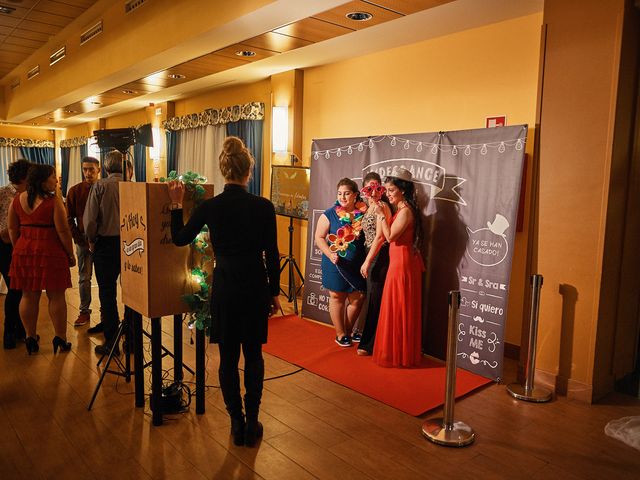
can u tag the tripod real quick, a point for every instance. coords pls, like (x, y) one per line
(292, 293)
(124, 370)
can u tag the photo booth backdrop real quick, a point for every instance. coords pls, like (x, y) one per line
(468, 184)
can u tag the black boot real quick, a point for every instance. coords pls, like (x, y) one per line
(252, 431)
(237, 430)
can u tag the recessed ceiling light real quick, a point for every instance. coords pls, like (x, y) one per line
(176, 76)
(96, 103)
(359, 16)
(34, 123)
(6, 10)
(245, 53)
(70, 111)
(129, 92)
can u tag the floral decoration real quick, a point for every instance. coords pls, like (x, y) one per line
(351, 221)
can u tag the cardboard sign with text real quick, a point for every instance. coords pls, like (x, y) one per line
(154, 271)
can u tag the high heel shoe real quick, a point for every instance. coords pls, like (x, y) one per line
(63, 344)
(237, 431)
(252, 432)
(32, 344)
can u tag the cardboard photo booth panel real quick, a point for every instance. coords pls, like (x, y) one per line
(154, 272)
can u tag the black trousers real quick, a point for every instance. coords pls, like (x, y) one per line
(375, 286)
(106, 262)
(13, 327)
(230, 378)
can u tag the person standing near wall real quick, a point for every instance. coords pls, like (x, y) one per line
(77, 197)
(102, 227)
(13, 328)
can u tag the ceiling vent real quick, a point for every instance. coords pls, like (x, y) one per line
(15, 84)
(91, 32)
(132, 5)
(58, 55)
(33, 72)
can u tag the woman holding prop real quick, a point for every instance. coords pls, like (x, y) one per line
(398, 339)
(338, 236)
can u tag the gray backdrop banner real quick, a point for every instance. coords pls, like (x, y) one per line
(468, 184)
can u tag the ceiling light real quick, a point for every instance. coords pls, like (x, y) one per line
(6, 10)
(96, 103)
(245, 53)
(129, 92)
(177, 76)
(359, 16)
(70, 111)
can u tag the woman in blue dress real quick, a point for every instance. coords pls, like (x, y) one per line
(339, 237)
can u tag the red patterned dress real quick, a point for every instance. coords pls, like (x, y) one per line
(39, 261)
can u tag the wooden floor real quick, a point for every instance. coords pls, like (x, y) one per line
(313, 428)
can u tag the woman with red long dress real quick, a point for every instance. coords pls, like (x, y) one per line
(398, 338)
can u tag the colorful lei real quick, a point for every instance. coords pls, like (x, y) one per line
(350, 230)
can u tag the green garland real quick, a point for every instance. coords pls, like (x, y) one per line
(198, 302)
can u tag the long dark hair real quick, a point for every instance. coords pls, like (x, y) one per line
(408, 190)
(38, 174)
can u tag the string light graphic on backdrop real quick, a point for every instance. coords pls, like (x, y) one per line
(463, 149)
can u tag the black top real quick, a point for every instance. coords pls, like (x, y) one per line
(242, 228)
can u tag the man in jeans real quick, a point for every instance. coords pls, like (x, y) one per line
(13, 329)
(102, 228)
(77, 197)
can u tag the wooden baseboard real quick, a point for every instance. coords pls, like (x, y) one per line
(568, 387)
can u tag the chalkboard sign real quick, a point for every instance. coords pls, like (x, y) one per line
(290, 191)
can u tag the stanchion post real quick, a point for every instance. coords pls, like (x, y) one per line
(445, 431)
(528, 391)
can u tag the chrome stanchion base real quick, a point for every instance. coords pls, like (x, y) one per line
(460, 435)
(538, 395)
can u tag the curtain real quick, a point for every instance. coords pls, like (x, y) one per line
(171, 150)
(65, 156)
(140, 162)
(7, 155)
(250, 131)
(198, 149)
(42, 155)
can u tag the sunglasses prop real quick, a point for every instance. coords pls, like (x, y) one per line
(372, 188)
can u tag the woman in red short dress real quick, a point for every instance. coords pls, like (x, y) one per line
(398, 338)
(42, 254)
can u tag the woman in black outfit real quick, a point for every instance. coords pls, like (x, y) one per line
(246, 280)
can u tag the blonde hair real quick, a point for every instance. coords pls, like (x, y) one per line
(236, 162)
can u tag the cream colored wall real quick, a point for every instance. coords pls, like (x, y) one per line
(577, 124)
(10, 131)
(447, 83)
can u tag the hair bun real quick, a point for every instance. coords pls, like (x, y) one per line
(232, 146)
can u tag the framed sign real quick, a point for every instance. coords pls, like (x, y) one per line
(290, 190)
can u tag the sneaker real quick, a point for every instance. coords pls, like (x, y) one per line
(98, 328)
(82, 319)
(344, 341)
(356, 337)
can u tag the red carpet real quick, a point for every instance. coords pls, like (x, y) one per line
(311, 346)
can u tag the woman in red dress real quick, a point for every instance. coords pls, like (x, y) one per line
(398, 338)
(42, 254)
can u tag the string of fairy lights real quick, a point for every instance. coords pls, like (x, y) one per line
(409, 144)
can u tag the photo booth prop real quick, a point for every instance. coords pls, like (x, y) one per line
(154, 272)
